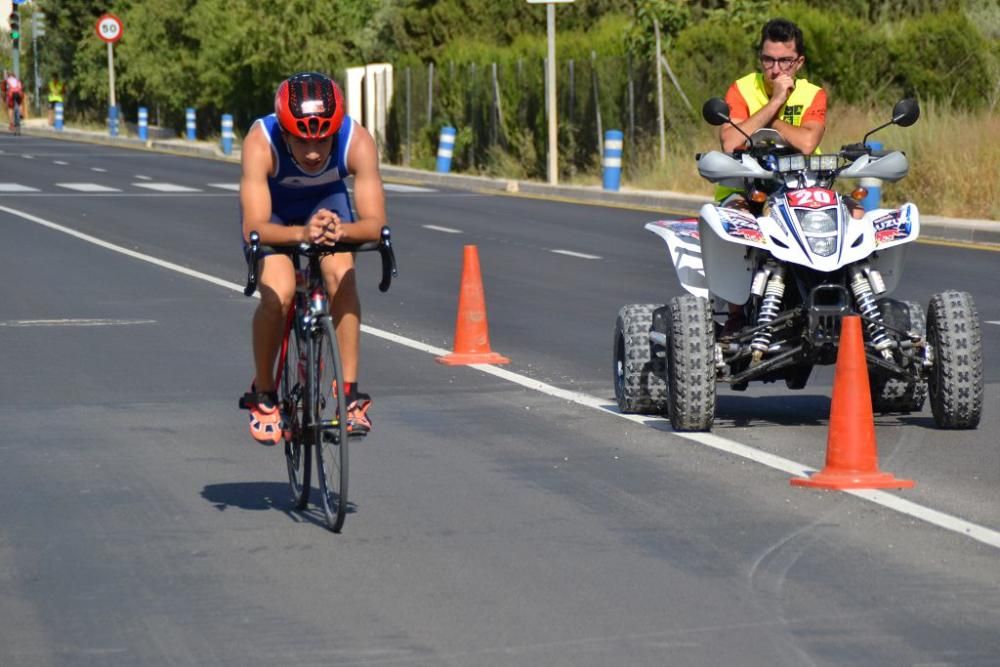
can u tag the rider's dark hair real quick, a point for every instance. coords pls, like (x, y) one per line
(782, 30)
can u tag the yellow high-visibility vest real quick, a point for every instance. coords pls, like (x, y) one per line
(752, 90)
(56, 90)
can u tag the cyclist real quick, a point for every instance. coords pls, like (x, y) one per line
(292, 190)
(15, 97)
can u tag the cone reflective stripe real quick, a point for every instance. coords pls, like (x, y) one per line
(472, 338)
(851, 450)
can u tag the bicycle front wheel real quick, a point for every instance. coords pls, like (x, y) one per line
(298, 453)
(330, 425)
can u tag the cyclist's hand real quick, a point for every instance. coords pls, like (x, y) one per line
(317, 230)
(337, 230)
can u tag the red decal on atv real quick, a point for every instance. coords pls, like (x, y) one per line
(812, 198)
(885, 235)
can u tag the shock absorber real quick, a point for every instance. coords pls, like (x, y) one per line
(861, 287)
(770, 306)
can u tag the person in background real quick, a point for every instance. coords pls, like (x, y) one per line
(57, 93)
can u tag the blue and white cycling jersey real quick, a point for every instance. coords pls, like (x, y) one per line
(295, 194)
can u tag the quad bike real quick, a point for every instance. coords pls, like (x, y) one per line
(798, 261)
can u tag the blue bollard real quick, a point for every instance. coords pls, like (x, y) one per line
(612, 163)
(113, 121)
(446, 147)
(143, 123)
(227, 134)
(874, 185)
(189, 121)
(59, 116)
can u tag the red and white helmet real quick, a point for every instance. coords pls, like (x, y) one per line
(309, 105)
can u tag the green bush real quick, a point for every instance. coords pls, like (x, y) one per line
(944, 58)
(848, 56)
(708, 56)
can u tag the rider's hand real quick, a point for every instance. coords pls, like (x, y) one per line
(318, 230)
(782, 87)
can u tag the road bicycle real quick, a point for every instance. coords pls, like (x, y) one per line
(314, 412)
(16, 129)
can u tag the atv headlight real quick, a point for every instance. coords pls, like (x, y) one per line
(818, 222)
(824, 246)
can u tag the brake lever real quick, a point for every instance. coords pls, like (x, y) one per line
(252, 277)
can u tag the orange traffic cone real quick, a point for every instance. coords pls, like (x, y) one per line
(851, 452)
(472, 338)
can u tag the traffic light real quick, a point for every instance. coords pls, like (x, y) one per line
(15, 27)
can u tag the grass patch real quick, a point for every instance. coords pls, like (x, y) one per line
(954, 159)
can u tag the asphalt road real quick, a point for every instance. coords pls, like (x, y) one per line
(492, 523)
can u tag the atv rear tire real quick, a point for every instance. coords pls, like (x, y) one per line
(956, 378)
(893, 394)
(640, 385)
(691, 364)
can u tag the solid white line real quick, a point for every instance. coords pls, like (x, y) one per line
(73, 323)
(446, 230)
(226, 186)
(955, 524)
(125, 251)
(570, 253)
(992, 321)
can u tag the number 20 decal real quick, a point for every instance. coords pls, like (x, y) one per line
(812, 197)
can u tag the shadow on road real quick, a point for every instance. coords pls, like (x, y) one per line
(257, 496)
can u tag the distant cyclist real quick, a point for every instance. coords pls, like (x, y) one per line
(14, 94)
(293, 190)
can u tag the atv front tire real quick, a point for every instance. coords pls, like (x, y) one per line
(691, 364)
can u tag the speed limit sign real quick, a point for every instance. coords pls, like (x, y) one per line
(109, 28)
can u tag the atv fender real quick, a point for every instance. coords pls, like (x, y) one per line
(685, 252)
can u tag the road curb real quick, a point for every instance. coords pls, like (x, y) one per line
(957, 230)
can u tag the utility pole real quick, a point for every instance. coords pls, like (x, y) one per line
(37, 30)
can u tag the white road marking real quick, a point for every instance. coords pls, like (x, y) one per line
(955, 524)
(99, 169)
(446, 230)
(143, 178)
(397, 187)
(166, 187)
(87, 187)
(62, 162)
(28, 157)
(570, 253)
(992, 321)
(235, 187)
(16, 187)
(73, 323)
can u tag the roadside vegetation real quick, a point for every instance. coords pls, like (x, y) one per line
(226, 56)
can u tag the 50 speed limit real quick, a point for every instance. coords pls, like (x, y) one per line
(109, 28)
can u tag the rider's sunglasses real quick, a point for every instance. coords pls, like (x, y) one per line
(784, 64)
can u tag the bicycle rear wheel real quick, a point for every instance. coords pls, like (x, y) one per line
(330, 425)
(298, 453)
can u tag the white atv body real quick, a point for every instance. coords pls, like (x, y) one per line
(794, 268)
